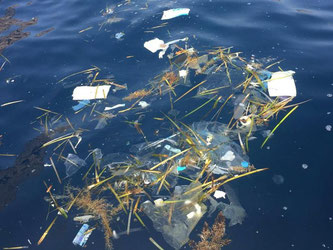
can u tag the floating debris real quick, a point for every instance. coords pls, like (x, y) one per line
(305, 166)
(169, 14)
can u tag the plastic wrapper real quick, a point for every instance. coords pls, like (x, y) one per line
(73, 163)
(184, 216)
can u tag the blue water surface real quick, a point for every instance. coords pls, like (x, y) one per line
(296, 214)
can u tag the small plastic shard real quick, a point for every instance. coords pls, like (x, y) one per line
(80, 105)
(156, 44)
(82, 236)
(228, 156)
(159, 202)
(282, 84)
(172, 13)
(83, 218)
(143, 104)
(101, 123)
(73, 163)
(245, 164)
(91, 92)
(219, 194)
(181, 168)
(182, 73)
(119, 35)
(115, 107)
(172, 149)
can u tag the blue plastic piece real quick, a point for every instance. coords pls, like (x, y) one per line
(244, 164)
(80, 105)
(82, 237)
(264, 75)
(181, 168)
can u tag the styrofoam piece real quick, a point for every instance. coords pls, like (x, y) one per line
(91, 92)
(219, 194)
(172, 13)
(282, 84)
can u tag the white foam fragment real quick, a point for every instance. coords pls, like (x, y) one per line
(90, 92)
(219, 194)
(172, 13)
(115, 106)
(282, 84)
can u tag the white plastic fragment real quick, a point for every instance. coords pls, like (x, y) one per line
(305, 166)
(328, 128)
(282, 84)
(159, 202)
(91, 92)
(172, 149)
(228, 156)
(84, 218)
(183, 73)
(157, 44)
(115, 106)
(197, 212)
(172, 13)
(219, 194)
(143, 104)
(190, 215)
(154, 45)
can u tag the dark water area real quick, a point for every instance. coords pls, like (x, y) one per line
(296, 214)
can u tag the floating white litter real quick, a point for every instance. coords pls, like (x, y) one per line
(169, 14)
(143, 104)
(159, 202)
(228, 156)
(183, 73)
(115, 107)
(219, 194)
(158, 44)
(282, 84)
(91, 92)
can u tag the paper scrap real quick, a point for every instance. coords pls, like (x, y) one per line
(282, 84)
(91, 92)
(172, 13)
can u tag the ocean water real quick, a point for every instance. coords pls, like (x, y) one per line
(295, 214)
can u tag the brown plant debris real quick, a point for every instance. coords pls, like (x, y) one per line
(98, 207)
(6, 22)
(137, 94)
(212, 238)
